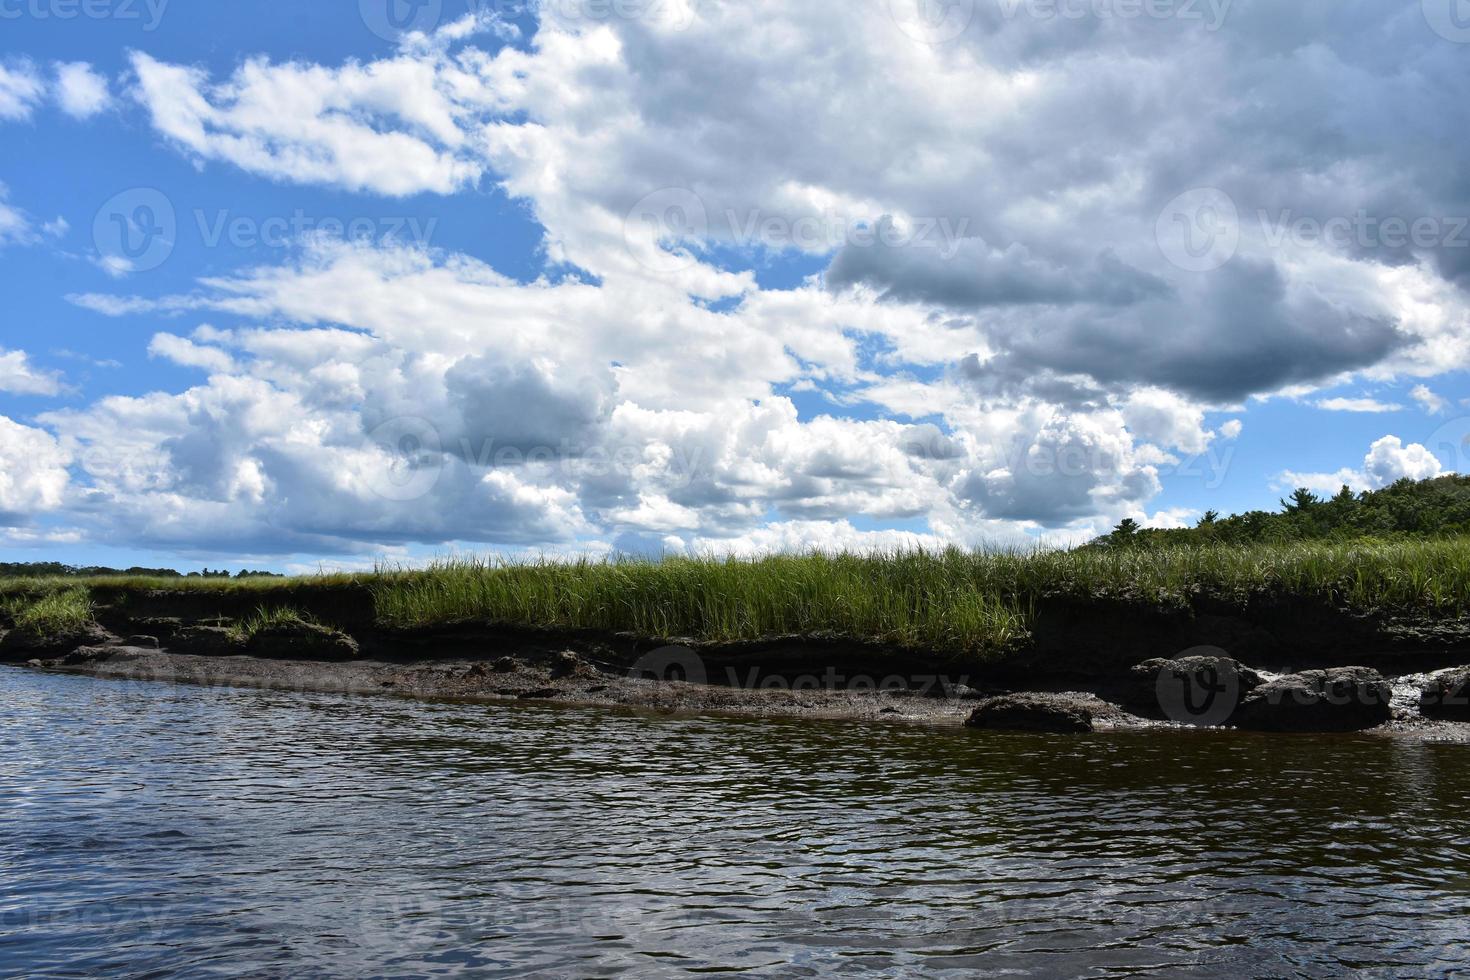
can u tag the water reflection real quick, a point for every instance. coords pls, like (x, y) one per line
(180, 831)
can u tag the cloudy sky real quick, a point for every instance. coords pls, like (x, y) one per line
(291, 284)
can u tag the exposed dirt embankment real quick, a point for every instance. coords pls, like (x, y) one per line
(1071, 637)
(348, 607)
(1091, 651)
(1099, 637)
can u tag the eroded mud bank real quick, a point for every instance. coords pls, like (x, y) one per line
(1088, 652)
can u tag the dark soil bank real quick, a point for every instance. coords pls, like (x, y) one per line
(1071, 636)
(1265, 665)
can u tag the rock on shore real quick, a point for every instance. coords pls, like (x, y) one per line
(1447, 696)
(1344, 699)
(1059, 713)
(1203, 690)
(18, 646)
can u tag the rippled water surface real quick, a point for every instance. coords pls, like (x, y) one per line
(177, 831)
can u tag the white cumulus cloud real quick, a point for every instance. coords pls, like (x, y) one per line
(1428, 400)
(80, 90)
(33, 474)
(391, 127)
(21, 88)
(1388, 461)
(18, 376)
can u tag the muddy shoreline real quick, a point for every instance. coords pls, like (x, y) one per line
(570, 682)
(1079, 670)
(672, 679)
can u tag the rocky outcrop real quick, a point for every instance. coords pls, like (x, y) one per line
(1343, 699)
(302, 641)
(20, 645)
(88, 655)
(1062, 713)
(1204, 688)
(1447, 696)
(568, 664)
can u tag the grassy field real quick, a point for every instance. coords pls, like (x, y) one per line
(974, 603)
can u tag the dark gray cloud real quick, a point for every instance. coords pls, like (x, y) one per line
(518, 408)
(970, 273)
(1322, 110)
(1239, 334)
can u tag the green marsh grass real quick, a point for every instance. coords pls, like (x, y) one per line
(966, 602)
(51, 612)
(907, 599)
(269, 617)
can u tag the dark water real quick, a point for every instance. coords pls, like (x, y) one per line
(171, 831)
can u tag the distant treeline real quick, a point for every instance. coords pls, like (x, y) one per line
(1427, 509)
(52, 569)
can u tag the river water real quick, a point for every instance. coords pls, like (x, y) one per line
(150, 830)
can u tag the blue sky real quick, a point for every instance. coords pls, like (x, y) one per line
(899, 282)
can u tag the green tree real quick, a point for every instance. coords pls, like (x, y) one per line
(1302, 500)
